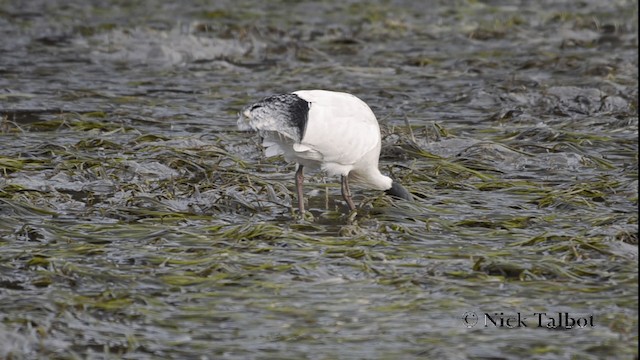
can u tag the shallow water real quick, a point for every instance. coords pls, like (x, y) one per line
(136, 222)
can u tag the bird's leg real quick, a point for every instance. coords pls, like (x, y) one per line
(299, 180)
(346, 193)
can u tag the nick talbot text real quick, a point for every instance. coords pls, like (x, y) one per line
(559, 320)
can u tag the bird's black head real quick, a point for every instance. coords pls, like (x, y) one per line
(399, 191)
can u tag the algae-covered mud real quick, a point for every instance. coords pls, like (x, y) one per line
(136, 222)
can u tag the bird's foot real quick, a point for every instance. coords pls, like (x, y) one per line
(305, 216)
(351, 218)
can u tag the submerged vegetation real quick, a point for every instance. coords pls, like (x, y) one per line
(137, 222)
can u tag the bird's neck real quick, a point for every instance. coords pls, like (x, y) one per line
(372, 178)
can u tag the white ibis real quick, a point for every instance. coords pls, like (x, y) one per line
(331, 131)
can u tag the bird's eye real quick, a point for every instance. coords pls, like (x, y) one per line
(256, 106)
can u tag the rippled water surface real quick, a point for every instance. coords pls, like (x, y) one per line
(137, 222)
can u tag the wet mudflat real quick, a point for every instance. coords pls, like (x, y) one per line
(137, 222)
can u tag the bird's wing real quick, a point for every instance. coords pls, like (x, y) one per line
(341, 128)
(284, 114)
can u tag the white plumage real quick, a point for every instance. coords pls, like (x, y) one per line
(331, 131)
